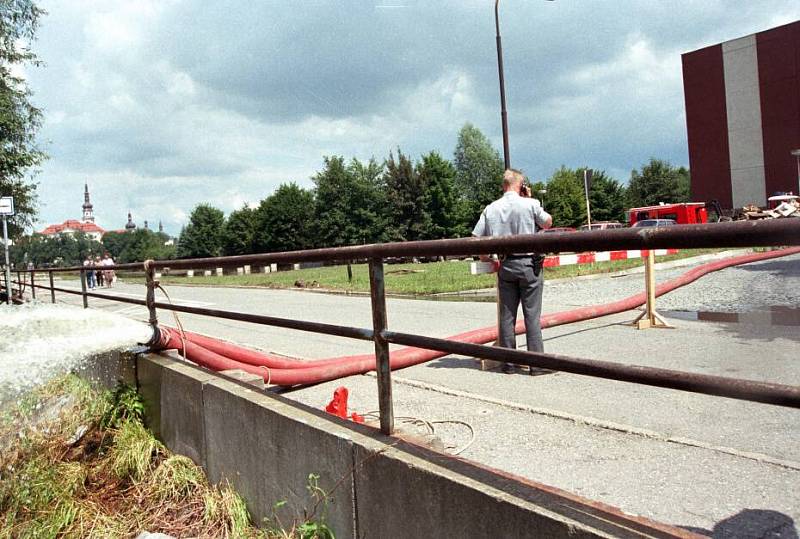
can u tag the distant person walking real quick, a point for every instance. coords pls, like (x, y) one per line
(90, 272)
(520, 278)
(108, 274)
(99, 277)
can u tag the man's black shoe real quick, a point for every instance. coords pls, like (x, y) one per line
(508, 368)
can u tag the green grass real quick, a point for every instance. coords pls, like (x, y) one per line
(115, 480)
(407, 279)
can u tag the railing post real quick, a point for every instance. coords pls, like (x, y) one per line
(150, 299)
(83, 289)
(33, 284)
(19, 284)
(52, 287)
(383, 368)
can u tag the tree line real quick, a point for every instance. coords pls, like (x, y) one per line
(354, 202)
(64, 250)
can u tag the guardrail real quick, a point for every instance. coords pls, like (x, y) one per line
(772, 233)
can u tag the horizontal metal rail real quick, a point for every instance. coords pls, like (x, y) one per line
(774, 232)
(748, 390)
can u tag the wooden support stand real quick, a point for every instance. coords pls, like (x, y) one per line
(490, 364)
(650, 318)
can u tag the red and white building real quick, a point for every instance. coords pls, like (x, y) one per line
(743, 117)
(85, 225)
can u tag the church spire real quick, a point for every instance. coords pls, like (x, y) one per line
(88, 213)
(130, 225)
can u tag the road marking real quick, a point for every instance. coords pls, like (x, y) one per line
(599, 423)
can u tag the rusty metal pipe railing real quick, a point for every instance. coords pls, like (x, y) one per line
(739, 234)
(748, 390)
(774, 232)
(383, 367)
(52, 288)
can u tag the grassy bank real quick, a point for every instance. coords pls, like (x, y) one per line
(412, 279)
(76, 463)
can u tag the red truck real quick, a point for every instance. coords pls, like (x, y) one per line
(683, 213)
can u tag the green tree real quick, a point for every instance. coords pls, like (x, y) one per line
(479, 174)
(58, 250)
(239, 232)
(19, 119)
(439, 175)
(143, 244)
(607, 198)
(406, 200)
(565, 197)
(202, 236)
(115, 242)
(350, 203)
(285, 220)
(658, 181)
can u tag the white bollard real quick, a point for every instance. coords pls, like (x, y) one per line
(247, 269)
(206, 273)
(190, 273)
(297, 266)
(239, 271)
(273, 267)
(266, 269)
(219, 272)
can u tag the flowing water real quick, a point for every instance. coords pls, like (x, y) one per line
(39, 341)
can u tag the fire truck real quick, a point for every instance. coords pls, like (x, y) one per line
(683, 213)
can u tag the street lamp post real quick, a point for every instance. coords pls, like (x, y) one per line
(542, 192)
(796, 154)
(503, 112)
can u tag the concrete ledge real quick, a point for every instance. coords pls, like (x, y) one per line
(266, 450)
(182, 411)
(266, 446)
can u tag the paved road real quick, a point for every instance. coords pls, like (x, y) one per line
(680, 458)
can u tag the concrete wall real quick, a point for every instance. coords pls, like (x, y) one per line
(266, 446)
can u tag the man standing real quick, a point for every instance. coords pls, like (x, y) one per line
(520, 278)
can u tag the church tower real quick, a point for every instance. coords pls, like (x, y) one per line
(130, 226)
(88, 213)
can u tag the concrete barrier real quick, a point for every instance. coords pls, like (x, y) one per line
(266, 446)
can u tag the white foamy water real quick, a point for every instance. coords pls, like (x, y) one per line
(39, 341)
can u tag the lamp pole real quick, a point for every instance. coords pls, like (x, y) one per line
(796, 154)
(503, 112)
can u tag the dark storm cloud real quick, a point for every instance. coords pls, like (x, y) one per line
(222, 101)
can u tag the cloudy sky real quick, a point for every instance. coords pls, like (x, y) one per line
(163, 104)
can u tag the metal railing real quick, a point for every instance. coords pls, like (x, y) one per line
(783, 232)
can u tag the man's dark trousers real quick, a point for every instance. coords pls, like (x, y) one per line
(518, 282)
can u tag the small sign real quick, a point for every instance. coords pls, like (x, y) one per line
(6, 206)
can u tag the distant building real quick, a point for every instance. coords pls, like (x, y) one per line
(743, 117)
(85, 225)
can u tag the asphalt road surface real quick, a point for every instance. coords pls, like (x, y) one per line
(728, 467)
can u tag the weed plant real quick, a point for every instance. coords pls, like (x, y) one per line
(74, 463)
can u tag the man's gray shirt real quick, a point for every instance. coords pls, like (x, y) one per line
(510, 215)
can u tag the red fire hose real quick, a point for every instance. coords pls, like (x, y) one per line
(220, 355)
